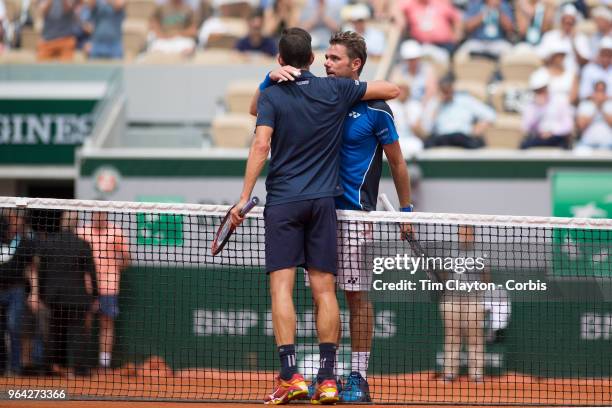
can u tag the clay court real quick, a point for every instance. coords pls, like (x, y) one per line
(149, 383)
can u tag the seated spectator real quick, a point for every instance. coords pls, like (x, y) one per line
(603, 21)
(562, 80)
(594, 120)
(321, 18)
(599, 70)
(107, 19)
(407, 115)
(174, 29)
(419, 74)
(548, 121)
(255, 41)
(3, 21)
(279, 15)
(456, 119)
(487, 23)
(58, 39)
(358, 15)
(533, 19)
(216, 26)
(577, 42)
(203, 10)
(434, 23)
(82, 25)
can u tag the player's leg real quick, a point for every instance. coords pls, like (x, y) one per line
(109, 310)
(475, 338)
(452, 337)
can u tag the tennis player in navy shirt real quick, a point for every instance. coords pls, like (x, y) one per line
(369, 130)
(301, 123)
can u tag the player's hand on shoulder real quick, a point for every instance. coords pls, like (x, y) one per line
(285, 73)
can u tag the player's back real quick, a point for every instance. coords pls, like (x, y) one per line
(307, 117)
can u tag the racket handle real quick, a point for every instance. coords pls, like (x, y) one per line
(249, 205)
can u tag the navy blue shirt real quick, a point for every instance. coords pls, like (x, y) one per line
(307, 116)
(267, 46)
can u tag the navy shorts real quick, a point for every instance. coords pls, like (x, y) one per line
(109, 305)
(302, 233)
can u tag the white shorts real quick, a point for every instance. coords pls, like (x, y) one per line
(353, 274)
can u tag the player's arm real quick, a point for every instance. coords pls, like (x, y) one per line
(380, 90)
(258, 154)
(399, 172)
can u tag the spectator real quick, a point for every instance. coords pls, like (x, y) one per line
(407, 114)
(58, 39)
(64, 282)
(3, 23)
(456, 119)
(321, 18)
(255, 41)
(107, 19)
(203, 10)
(281, 14)
(15, 261)
(83, 26)
(599, 70)
(216, 24)
(463, 312)
(111, 256)
(594, 119)
(434, 23)
(563, 80)
(577, 42)
(487, 23)
(603, 21)
(548, 121)
(358, 15)
(419, 74)
(174, 29)
(533, 19)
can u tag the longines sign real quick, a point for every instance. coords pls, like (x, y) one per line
(54, 129)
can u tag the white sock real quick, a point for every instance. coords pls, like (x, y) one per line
(359, 362)
(105, 359)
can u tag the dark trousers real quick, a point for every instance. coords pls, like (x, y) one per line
(12, 303)
(68, 337)
(455, 140)
(534, 140)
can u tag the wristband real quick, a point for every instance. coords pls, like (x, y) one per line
(268, 82)
(407, 209)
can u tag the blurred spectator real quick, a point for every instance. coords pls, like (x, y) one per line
(255, 41)
(603, 21)
(358, 16)
(383, 9)
(567, 33)
(3, 23)
(217, 24)
(174, 29)
(106, 17)
(65, 279)
(407, 114)
(203, 10)
(563, 80)
(418, 73)
(111, 255)
(594, 119)
(434, 23)
(487, 23)
(15, 260)
(456, 119)
(548, 121)
(599, 70)
(534, 18)
(322, 18)
(58, 39)
(279, 15)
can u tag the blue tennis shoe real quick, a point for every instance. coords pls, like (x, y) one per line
(356, 389)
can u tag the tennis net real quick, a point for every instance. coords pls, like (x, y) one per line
(473, 310)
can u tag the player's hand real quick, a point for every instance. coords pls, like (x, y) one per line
(286, 73)
(406, 231)
(235, 216)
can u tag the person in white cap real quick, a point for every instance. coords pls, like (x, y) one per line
(419, 74)
(548, 121)
(594, 120)
(602, 16)
(563, 80)
(599, 70)
(577, 42)
(358, 16)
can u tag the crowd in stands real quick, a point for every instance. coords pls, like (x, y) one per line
(562, 99)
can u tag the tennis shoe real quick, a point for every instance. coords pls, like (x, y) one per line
(286, 391)
(356, 389)
(326, 393)
(312, 387)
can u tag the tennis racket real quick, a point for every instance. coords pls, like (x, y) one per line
(226, 229)
(433, 274)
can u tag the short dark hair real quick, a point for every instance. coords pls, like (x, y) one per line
(447, 80)
(295, 47)
(355, 45)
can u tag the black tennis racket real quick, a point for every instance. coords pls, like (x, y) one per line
(226, 229)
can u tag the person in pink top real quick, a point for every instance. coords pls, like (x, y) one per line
(111, 255)
(436, 23)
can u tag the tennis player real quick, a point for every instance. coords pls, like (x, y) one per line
(369, 130)
(301, 122)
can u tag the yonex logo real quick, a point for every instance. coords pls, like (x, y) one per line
(352, 280)
(354, 115)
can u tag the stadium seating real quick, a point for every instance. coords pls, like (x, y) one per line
(505, 133)
(239, 95)
(140, 9)
(519, 64)
(473, 68)
(233, 130)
